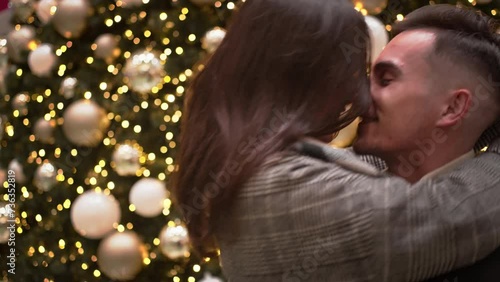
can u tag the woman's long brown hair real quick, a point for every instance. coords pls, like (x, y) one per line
(286, 69)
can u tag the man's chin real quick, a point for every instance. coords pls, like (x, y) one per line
(362, 146)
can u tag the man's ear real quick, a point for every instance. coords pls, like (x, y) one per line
(456, 108)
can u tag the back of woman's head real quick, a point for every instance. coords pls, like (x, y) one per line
(286, 69)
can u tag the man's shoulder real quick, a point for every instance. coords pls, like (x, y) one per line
(345, 159)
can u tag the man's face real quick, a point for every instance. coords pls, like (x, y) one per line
(406, 97)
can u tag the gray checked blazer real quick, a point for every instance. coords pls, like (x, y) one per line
(314, 213)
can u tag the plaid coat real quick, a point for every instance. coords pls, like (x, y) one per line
(314, 213)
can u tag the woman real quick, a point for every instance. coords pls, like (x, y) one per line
(281, 205)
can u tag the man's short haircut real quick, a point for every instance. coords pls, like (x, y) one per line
(465, 36)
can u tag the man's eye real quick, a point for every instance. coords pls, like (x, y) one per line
(385, 81)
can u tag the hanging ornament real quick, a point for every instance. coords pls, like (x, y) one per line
(203, 2)
(174, 241)
(44, 130)
(70, 18)
(45, 10)
(85, 123)
(42, 60)
(130, 3)
(20, 103)
(20, 42)
(45, 176)
(212, 39)
(95, 214)
(67, 88)
(7, 214)
(143, 71)
(120, 255)
(106, 47)
(378, 36)
(373, 7)
(125, 159)
(23, 9)
(18, 170)
(148, 195)
(207, 277)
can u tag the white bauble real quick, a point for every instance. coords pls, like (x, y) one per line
(95, 214)
(147, 195)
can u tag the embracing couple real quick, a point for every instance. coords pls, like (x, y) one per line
(416, 199)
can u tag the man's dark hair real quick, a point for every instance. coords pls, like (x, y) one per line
(465, 36)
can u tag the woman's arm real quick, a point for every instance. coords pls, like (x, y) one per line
(431, 227)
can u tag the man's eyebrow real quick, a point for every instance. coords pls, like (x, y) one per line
(387, 65)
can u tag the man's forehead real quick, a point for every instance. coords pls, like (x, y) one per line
(408, 47)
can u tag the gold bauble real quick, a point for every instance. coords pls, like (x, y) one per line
(45, 176)
(143, 71)
(125, 159)
(174, 242)
(120, 255)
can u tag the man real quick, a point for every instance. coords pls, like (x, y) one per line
(435, 90)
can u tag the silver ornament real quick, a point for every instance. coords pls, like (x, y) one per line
(106, 47)
(45, 10)
(20, 103)
(85, 123)
(70, 19)
(120, 255)
(212, 39)
(42, 60)
(143, 71)
(19, 42)
(7, 214)
(44, 130)
(125, 159)
(18, 170)
(23, 9)
(67, 88)
(45, 176)
(174, 242)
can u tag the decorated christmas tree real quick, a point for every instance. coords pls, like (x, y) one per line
(91, 95)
